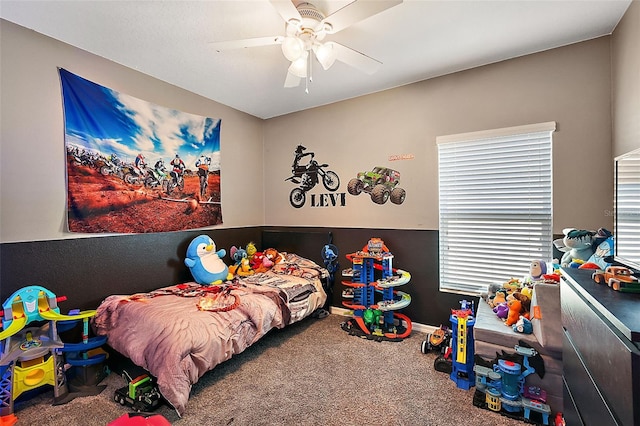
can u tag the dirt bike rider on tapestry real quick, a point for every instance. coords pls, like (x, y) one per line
(140, 163)
(203, 163)
(159, 169)
(114, 159)
(178, 168)
(296, 169)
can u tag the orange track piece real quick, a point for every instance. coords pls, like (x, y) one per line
(8, 420)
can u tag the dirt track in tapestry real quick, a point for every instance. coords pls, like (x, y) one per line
(99, 203)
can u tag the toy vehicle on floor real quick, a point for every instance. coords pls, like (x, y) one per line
(141, 393)
(437, 341)
(618, 278)
(381, 184)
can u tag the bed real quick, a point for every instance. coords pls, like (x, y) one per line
(180, 332)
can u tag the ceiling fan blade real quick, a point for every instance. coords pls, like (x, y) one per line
(286, 9)
(356, 59)
(357, 11)
(292, 80)
(249, 42)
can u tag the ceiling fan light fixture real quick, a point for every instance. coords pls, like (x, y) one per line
(292, 48)
(299, 67)
(326, 54)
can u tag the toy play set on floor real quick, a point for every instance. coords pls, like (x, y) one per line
(376, 320)
(500, 383)
(35, 356)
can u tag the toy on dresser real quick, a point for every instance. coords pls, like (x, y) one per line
(585, 249)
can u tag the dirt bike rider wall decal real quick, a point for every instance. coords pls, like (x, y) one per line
(307, 176)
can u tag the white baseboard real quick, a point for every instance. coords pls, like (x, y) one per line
(422, 328)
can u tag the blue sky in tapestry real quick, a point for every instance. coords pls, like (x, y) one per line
(98, 118)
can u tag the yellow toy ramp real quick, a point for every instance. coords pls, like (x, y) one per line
(16, 325)
(54, 316)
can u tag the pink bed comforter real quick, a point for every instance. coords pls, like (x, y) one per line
(165, 333)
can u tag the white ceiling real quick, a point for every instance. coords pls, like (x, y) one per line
(415, 40)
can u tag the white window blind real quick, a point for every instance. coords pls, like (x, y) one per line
(495, 194)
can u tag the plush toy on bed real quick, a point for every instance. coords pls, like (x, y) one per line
(205, 263)
(273, 255)
(260, 263)
(241, 267)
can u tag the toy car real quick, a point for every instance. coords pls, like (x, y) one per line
(381, 184)
(436, 341)
(141, 393)
(618, 278)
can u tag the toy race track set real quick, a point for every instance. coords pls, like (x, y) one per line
(376, 320)
(35, 356)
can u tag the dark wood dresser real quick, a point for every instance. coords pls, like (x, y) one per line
(601, 352)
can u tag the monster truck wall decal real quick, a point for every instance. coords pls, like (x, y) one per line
(381, 184)
(131, 165)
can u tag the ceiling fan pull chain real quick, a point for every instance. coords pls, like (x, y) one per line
(307, 80)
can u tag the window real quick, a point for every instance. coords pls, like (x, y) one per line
(495, 196)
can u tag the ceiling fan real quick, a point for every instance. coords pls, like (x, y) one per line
(305, 29)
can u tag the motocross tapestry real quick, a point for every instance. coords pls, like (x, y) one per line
(136, 167)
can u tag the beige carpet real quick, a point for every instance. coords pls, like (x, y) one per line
(311, 373)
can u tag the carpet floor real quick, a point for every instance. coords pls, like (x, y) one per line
(310, 373)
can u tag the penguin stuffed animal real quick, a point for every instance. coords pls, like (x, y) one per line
(205, 263)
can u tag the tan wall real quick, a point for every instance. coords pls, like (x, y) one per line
(626, 82)
(569, 85)
(32, 156)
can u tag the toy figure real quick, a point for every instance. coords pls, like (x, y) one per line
(205, 263)
(537, 269)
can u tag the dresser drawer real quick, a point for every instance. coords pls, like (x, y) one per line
(605, 354)
(585, 397)
(570, 410)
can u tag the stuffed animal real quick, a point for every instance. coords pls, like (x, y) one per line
(512, 285)
(603, 251)
(260, 263)
(251, 249)
(273, 255)
(205, 263)
(241, 267)
(576, 244)
(490, 294)
(515, 309)
(500, 297)
(524, 300)
(501, 310)
(523, 326)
